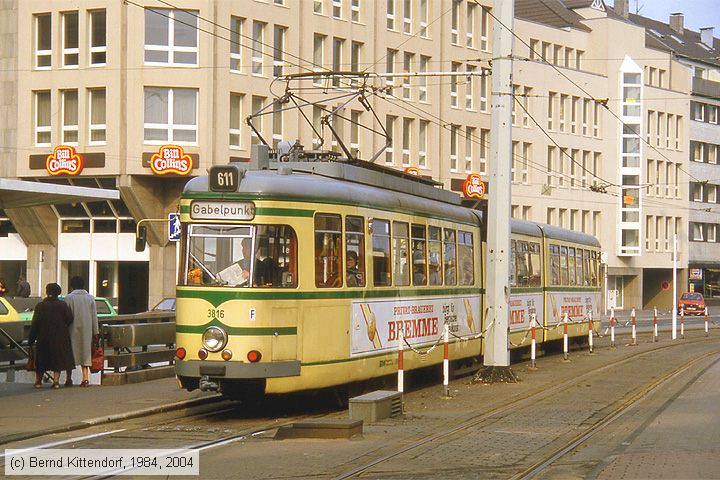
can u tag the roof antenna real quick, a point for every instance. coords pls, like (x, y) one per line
(638, 7)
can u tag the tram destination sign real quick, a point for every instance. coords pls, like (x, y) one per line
(213, 210)
(224, 178)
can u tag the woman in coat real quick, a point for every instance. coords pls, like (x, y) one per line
(85, 326)
(50, 330)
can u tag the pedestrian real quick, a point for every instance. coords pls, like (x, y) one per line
(50, 330)
(84, 329)
(23, 288)
(3, 288)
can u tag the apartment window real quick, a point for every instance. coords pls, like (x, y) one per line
(557, 54)
(422, 80)
(573, 167)
(469, 87)
(552, 98)
(560, 170)
(258, 34)
(355, 133)
(406, 138)
(649, 222)
(42, 118)
(484, 149)
(469, 140)
(562, 217)
(578, 59)
(171, 37)
(712, 232)
(338, 44)
(526, 212)
(697, 192)
(171, 115)
(546, 51)
(407, 16)
(526, 156)
(596, 120)
(407, 65)
(484, 92)
(661, 78)
(698, 151)
(318, 54)
(597, 157)
(470, 25)
(277, 123)
(98, 37)
(549, 179)
(668, 129)
(678, 126)
(526, 104)
(424, 18)
(550, 216)
(236, 33)
(43, 41)
(514, 107)
(355, 10)
(534, 49)
(98, 116)
(70, 117)
(569, 57)
(318, 6)
(712, 116)
(422, 144)
(257, 105)
(563, 112)
(355, 52)
(454, 129)
(390, 14)
(573, 114)
(698, 111)
(485, 29)
(337, 8)
(390, 68)
(70, 51)
(712, 156)
(712, 193)
(317, 140)
(455, 26)
(697, 232)
(236, 118)
(585, 116)
(586, 165)
(658, 131)
(677, 180)
(278, 50)
(389, 150)
(454, 67)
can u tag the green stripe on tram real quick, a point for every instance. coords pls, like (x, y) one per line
(240, 331)
(271, 212)
(217, 298)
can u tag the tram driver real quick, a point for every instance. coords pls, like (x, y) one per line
(266, 270)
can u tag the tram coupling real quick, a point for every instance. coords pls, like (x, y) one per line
(207, 385)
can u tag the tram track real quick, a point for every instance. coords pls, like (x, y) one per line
(505, 410)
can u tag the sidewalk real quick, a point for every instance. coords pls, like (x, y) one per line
(27, 412)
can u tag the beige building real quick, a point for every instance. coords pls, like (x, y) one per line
(117, 82)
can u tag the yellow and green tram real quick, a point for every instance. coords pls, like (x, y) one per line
(305, 273)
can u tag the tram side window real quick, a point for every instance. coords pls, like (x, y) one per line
(571, 265)
(401, 253)
(466, 260)
(380, 231)
(355, 251)
(435, 256)
(522, 267)
(513, 263)
(594, 269)
(328, 251)
(554, 265)
(450, 256)
(579, 267)
(419, 255)
(563, 266)
(535, 267)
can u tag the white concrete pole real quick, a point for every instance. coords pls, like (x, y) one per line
(446, 362)
(674, 299)
(498, 235)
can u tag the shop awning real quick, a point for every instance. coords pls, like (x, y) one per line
(21, 193)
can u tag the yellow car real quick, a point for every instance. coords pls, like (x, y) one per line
(7, 312)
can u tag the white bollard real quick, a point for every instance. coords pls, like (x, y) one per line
(533, 366)
(565, 338)
(446, 364)
(634, 334)
(706, 321)
(655, 326)
(590, 332)
(612, 328)
(401, 340)
(682, 322)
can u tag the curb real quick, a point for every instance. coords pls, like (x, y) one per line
(92, 422)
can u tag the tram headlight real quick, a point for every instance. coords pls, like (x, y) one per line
(214, 339)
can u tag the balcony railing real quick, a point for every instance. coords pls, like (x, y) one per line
(706, 88)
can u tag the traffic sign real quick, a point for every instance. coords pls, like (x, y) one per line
(174, 227)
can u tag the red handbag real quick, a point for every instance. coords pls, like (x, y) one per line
(98, 358)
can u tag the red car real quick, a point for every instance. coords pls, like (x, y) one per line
(692, 303)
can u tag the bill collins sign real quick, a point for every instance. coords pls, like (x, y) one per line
(64, 160)
(171, 159)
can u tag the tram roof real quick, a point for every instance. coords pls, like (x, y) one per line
(287, 183)
(558, 233)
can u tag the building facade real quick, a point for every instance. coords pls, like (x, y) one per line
(600, 144)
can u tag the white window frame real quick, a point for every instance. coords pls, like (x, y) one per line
(470, 25)
(454, 134)
(236, 57)
(406, 140)
(697, 192)
(485, 29)
(484, 149)
(712, 193)
(96, 127)
(390, 15)
(70, 50)
(42, 128)
(422, 143)
(470, 88)
(455, 22)
(42, 53)
(170, 48)
(318, 7)
(69, 128)
(712, 232)
(279, 52)
(318, 40)
(96, 48)
(355, 132)
(697, 232)
(407, 17)
(422, 80)
(337, 9)
(423, 18)
(240, 98)
(454, 67)
(256, 52)
(390, 150)
(484, 92)
(355, 11)
(170, 126)
(469, 150)
(408, 58)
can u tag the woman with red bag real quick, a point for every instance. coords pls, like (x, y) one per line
(85, 327)
(50, 330)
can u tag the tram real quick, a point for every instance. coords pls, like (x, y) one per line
(301, 270)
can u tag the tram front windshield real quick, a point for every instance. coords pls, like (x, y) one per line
(249, 256)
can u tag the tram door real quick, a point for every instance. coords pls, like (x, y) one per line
(133, 280)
